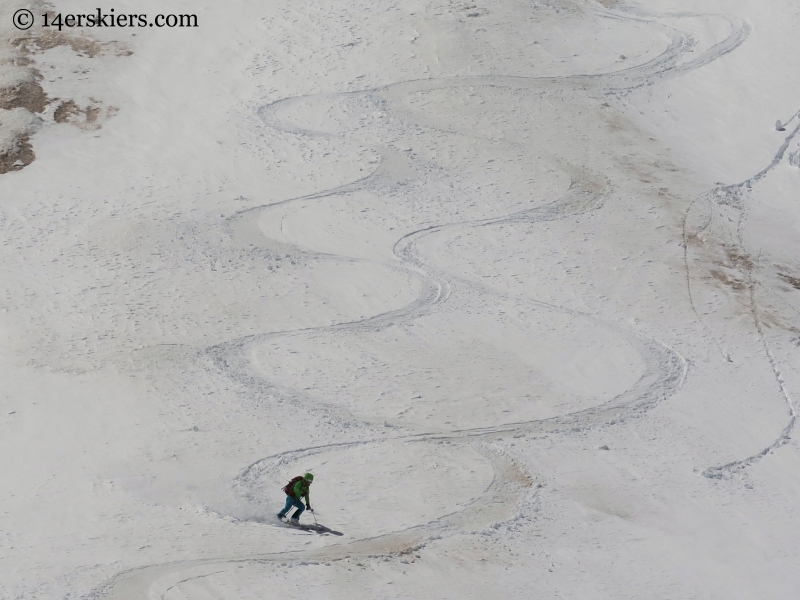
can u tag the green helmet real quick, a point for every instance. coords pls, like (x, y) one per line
(308, 477)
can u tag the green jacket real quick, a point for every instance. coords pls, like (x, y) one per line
(301, 489)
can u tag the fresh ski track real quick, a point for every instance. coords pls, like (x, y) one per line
(664, 375)
(733, 196)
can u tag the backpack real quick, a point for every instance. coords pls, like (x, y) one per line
(288, 489)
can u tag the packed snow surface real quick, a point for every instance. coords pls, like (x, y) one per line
(517, 280)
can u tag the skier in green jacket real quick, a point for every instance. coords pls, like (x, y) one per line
(297, 488)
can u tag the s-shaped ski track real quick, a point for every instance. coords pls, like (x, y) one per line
(662, 377)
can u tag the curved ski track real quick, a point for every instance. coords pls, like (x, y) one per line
(732, 196)
(663, 375)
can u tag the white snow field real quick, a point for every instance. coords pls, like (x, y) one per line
(518, 280)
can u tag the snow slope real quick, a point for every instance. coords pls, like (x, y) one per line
(518, 281)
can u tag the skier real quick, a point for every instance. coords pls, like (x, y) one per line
(296, 489)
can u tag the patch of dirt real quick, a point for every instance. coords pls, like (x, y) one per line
(737, 259)
(730, 281)
(34, 44)
(28, 95)
(21, 61)
(724, 255)
(608, 3)
(85, 118)
(468, 9)
(19, 157)
(734, 268)
(615, 122)
(65, 110)
(516, 474)
(792, 281)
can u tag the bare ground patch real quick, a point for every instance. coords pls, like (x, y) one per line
(28, 94)
(23, 91)
(750, 283)
(731, 281)
(729, 266)
(735, 269)
(85, 118)
(81, 45)
(792, 281)
(18, 157)
(28, 97)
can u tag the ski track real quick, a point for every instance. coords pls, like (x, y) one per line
(732, 196)
(663, 376)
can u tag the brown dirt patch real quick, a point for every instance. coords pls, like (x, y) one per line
(734, 268)
(81, 45)
(517, 475)
(91, 113)
(32, 97)
(65, 110)
(85, 118)
(21, 61)
(737, 259)
(32, 44)
(729, 280)
(19, 157)
(28, 95)
(792, 281)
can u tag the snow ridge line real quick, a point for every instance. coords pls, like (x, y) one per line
(664, 385)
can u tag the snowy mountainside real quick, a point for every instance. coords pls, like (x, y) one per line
(517, 281)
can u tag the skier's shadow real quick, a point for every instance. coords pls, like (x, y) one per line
(315, 528)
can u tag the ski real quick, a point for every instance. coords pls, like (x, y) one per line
(316, 528)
